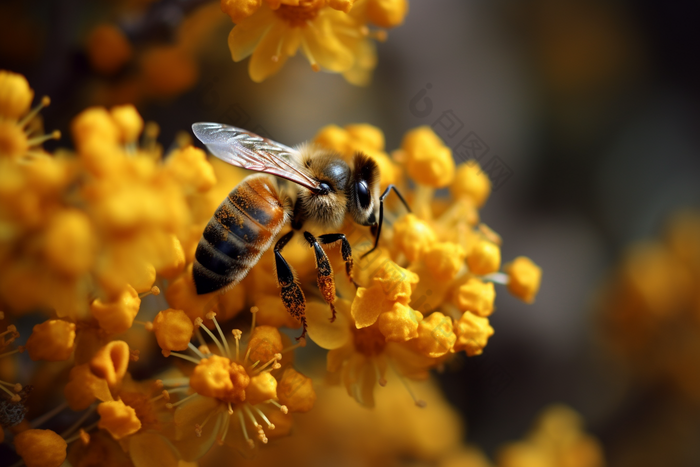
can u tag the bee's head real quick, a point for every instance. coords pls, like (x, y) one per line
(363, 197)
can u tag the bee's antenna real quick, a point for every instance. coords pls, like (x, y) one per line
(381, 214)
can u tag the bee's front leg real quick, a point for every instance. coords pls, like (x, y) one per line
(326, 284)
(291, 293)
(345, 250)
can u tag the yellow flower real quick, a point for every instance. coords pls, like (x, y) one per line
(524, 278)
(471, 182)
(118, 419)
(484, 258)
(332, 35)
(428, 160)
(41, 448)
(52, 341)
(117, 316)
(472, 333)
(476, 297)
(435, 336)
(173, 330)
(16, 140)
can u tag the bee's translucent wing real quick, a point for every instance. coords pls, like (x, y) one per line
(249, 151)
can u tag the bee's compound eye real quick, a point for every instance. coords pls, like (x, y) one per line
(362, 194)
(324, 188)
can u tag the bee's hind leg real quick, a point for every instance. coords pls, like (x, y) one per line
(326, 283)
(290, 291)
(345, 250)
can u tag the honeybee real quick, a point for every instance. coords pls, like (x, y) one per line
(300, 186)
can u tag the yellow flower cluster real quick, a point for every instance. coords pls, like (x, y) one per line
(650, 307)
(332, 34)
(427, 291)
(87, 235)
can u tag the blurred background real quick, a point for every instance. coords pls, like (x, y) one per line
(587, 113)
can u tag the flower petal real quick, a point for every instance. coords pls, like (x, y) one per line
(246, 35)
(324, 333)
(263, 63)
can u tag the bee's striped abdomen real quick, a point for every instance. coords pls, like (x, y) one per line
(243, 228)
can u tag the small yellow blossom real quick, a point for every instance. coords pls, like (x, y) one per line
(128, 121)
(400, 323)
(471, 182)
(52, 341)
(111, 362)
(118, 419)
(41, 448)
(435, 335)
(428, 161)
(387, 13)
(472, 333)
(296, 391)
(173, 330)
(524, 278)
(484, 258)
(15, 95)
(118, 315)
(262, 387)
(390, 284)
(413, 236)
(264, 344)
(476, 297)
(444, 260)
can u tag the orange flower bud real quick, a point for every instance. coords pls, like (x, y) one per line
(117, 316)
(444, 260)
(471, 182)
(400, 323)
(476, 297)
(117, 418)
(15, 95)
(365, 135)
(428, 161)
(41, 448)
(111, 362)
(173, 330)
(413, 236)
(296, 391)
(387, 13)
(129, 122)
(175, 262)
(239, 10)
(435, 336)
(524, 278)
(262, 387)
(264, 344)
(473, 333)
(484, 258)
(52, 341)
(95, 124)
